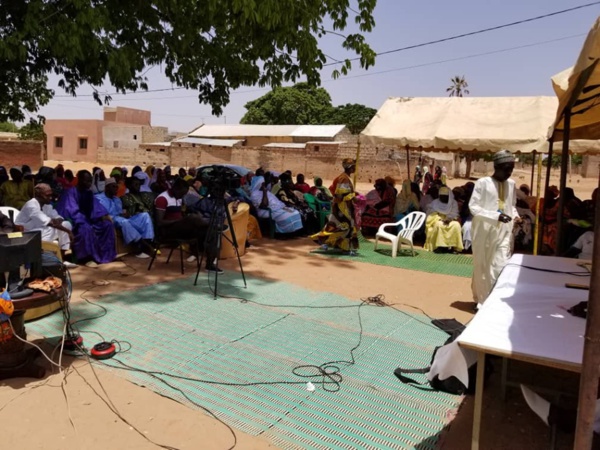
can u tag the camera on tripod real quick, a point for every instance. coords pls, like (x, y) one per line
(219, 179)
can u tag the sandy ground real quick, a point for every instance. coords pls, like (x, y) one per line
(36, 415)
(42, 415)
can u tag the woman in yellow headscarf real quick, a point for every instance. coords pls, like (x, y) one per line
(341, 231)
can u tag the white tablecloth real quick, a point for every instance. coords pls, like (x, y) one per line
(525, 314)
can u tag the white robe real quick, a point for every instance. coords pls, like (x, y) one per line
(492, 239)
(33, 217)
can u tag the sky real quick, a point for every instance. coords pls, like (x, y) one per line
(514, 61)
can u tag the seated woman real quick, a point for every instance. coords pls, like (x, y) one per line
(287, 220)
(380, 207)
(406, 201)
(287, 196)
(443, 228)
(321, 192)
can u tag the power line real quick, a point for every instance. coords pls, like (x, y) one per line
(472, 33)
(387, 52)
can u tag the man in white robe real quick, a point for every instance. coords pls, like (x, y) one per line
(493, 206)
(38, 215)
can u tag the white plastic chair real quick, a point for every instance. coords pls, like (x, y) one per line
(408, 225)
(10, 212)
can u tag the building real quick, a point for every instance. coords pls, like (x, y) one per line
(120, 130)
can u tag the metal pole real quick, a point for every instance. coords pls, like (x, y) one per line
(408, 161)
(536, 238)
(542, 213)
(588, 385)
(532, 171)
(357, 157)
(563, 182)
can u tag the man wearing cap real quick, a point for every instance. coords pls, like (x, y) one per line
(39, 215)
(493, 206)
(17, 191)
(137, 229)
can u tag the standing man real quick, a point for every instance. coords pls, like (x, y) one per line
(493, 206)
(39, 215)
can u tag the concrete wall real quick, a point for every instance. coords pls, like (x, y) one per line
(71, 131)
(127, 115)
(121, 136)
(154, 134)
(590, 167)
(17, 153)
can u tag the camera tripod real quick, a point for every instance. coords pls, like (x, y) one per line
(215, 234)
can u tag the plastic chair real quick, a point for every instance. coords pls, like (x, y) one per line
(408, 225)
(322, 209)
(9, 212)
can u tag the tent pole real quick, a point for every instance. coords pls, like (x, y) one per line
(588, 384)
(357, 157)
(532, 172)
(542, 213)
(536, 238)
(563, 182)
(408, 161)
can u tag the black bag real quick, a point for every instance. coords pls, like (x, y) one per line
(451, 384)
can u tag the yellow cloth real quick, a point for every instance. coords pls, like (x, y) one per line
(441, 235)
(16, 194)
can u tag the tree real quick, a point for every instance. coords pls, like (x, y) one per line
(8, 127)
(458, 87)
(300, 104)
(355, 116)
(33, 131)
(210, 46)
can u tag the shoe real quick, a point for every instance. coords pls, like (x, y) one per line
(69, 264)
(91, 264)
(215, 270)
(324, 247)
(142, 255)
(191, 258)
(352, 253)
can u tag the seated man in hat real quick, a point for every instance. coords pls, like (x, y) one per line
(94, 231)
(137, 228)
(17, 191)
(39, 215)
(493, 206)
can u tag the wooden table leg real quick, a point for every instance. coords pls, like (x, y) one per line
(478, 401)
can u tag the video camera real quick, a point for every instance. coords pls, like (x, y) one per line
(219, 179)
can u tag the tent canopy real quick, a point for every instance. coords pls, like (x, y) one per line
(578, 89)
(465, 124)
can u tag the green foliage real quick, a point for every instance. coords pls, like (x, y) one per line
(300, 104)
(33, 131)
(8, 127)
(576, 160)
(211, 46)
(355, 116)
(458, 87)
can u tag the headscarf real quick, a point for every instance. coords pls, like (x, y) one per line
(502, 157)
(348, 162)
(425, 169)
(150, 171)
(405, 199)
(145, 181)
(98, 185)
(256, 183)
(116, 171)
(450, 209)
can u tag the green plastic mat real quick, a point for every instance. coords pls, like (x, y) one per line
(177, 328)
(423, 261)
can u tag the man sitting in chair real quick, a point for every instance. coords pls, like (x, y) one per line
(39, 215)
(171, 222)
(137, 229)
(443, 229)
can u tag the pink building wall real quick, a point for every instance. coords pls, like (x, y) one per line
(127, 115)
(71, 131)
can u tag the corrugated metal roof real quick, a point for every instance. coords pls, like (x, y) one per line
(222, 131)
(284, 145)
(318, 131)
(161, 144)
(209, 142)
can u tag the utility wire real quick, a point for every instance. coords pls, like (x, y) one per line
(387, 52)
(472, 33)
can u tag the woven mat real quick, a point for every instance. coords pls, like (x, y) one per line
(423, 261)
(177, 328)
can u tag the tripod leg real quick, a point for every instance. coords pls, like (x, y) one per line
(235, 244)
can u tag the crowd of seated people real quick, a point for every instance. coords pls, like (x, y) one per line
(83, 212)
